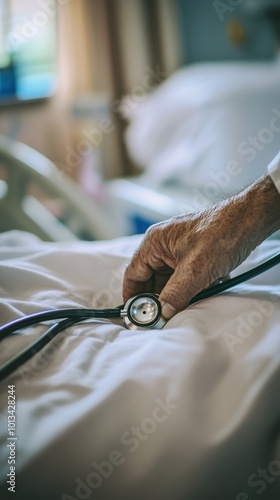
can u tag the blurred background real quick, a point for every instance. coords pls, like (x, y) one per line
(150, 107)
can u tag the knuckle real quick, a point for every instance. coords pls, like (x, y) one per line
(152, 231)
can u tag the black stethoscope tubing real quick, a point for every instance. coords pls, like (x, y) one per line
(237, 280)
(35, 346)
(52, 314)
(70, 317)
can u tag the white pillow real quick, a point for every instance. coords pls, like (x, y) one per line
(210, 128)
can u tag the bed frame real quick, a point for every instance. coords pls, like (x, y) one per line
(23, 170)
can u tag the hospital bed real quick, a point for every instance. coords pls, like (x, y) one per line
(205, 133)
(188, 412)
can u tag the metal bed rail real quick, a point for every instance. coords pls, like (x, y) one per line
(22, 166)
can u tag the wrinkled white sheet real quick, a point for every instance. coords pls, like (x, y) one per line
(189, 412)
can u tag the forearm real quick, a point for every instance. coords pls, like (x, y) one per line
(261, 209)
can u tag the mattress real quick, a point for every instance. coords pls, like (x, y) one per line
(189, 412)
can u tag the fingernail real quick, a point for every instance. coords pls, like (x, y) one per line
(167, 310)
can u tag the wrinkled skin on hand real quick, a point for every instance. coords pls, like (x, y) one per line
(180, 257)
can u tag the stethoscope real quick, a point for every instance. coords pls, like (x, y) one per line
(141, 312)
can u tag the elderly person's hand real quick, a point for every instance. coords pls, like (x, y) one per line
(181, 256)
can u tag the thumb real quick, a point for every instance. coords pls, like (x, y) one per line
(176, 294)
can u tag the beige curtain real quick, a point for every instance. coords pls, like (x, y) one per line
(75, 62)
(112, 47)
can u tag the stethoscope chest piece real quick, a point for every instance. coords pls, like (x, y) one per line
(143, 312)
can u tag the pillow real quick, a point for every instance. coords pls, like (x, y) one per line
(209, 128)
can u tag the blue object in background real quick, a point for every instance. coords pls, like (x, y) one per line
(7, 81)
(139, 224)
(35, 86)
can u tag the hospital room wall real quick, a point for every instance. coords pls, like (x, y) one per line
(206, 26)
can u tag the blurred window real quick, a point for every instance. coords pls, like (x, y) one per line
(27, 49)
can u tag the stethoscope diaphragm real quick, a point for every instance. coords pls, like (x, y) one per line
(143, 312)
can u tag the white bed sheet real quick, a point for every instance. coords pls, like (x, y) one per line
(189, 412)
